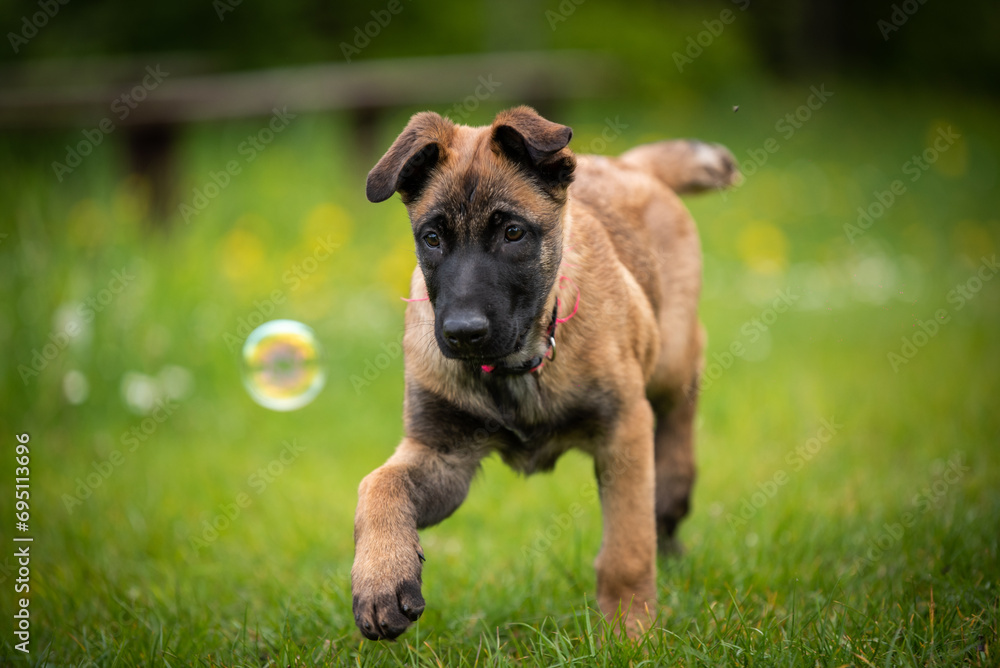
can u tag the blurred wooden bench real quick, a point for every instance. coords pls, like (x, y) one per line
(80, 94)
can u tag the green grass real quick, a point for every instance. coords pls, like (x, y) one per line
(117, 579)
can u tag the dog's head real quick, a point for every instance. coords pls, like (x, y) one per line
(486, 209)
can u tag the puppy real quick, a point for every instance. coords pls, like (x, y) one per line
(554, 307)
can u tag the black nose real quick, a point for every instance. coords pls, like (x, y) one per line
(465, 331)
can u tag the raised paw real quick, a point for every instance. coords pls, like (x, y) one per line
(385, 612)
(386, 603)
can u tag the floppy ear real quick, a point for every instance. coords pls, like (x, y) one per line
(525, 137)
(406, 165)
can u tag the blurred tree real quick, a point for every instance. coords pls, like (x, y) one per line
(911, 41)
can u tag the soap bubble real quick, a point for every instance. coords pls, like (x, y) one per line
(282, 365)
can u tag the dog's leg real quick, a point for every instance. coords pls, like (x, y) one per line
(675, 469)
(417, 487)
(626, 564)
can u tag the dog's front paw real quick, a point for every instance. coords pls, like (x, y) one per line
(387, 596)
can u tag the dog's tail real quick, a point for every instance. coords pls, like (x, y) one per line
(686, 165)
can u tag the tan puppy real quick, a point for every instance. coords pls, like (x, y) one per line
(525, 249)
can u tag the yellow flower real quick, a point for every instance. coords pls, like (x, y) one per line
(327, 221)
(946, 149)
(242, 255)
(763, 248)
(396, 267)
(87, 223)
(973, 240)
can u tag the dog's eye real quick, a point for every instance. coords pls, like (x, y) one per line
(432, 239)
(513, 233)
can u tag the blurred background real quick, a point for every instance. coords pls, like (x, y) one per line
(173, 174)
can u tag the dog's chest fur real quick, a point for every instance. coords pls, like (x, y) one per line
(520, 417)
(536, 427)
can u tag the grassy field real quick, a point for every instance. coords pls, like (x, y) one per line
(847, 510)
